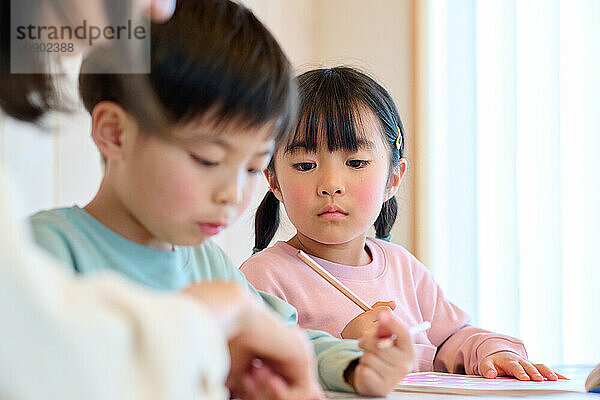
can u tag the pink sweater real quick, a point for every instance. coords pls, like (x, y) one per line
(451, 345)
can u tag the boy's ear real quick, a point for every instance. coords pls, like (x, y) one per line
(108, 126)
(273, 184)
(396, 179)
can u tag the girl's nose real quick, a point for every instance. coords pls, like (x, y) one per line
(331, 186)
(332, 191)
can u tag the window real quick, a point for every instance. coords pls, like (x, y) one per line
(513, 114)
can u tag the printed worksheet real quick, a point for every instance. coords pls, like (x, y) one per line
(437, 382)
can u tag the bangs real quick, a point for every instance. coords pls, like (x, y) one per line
(332, 112)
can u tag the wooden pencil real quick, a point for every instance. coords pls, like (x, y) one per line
(332, 280)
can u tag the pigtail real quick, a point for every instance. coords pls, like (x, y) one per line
(386, 219)
(266, 222)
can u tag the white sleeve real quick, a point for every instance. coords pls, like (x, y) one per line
(69, 337)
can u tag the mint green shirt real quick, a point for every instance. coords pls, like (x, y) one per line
(85, 245)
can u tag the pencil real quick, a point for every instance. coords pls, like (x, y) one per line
(413, 330)
(332, 280)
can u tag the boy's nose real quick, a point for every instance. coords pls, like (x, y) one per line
(230, 192)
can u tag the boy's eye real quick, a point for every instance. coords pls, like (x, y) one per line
(357, 163)
(261, 163)
(203, 162)
(305, 166)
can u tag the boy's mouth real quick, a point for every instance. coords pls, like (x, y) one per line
(211, 229)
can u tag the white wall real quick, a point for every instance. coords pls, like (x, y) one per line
(59, 166)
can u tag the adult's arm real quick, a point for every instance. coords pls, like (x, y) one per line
(65, 336)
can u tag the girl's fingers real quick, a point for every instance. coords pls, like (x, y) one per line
(560, 376)
(513, 368)
(532, 371)
(391, 304)
(380, 310)
(546, 372)
(487, 370)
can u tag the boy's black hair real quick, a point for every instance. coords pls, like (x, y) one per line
(332, 101)
(211, 56)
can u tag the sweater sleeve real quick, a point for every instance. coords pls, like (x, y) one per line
(333, 357)
(67, 337)
(464, 349)
(461, 346)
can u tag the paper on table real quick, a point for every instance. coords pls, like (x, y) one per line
(437, 382)
(593, 380)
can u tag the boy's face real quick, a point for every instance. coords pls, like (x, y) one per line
(184, 190)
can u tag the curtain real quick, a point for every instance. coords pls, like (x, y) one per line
(511, 127)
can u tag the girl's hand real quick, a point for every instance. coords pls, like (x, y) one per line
(507, 363)
(381, 368)
(365, 321)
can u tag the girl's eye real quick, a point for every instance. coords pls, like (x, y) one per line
(357, 163)
(305, 166)
(203, 162)
(254, 171)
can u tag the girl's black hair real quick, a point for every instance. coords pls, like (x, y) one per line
(332, 101)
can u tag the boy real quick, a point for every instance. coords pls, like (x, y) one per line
(227, 91)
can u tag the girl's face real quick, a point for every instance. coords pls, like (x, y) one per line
(335, 197)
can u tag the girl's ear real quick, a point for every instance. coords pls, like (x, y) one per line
(109, 125)
(273, 184)
(396, 179)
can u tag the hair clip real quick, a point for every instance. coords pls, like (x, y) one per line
(399, 139)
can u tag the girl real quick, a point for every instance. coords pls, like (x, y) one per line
(337, 176)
